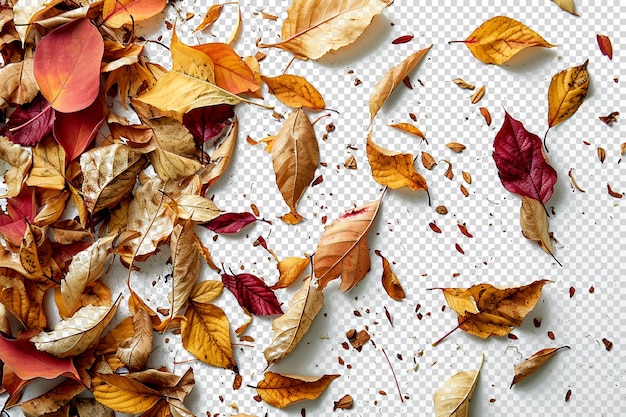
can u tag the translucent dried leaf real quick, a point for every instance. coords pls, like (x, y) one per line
(453, 398)
(393, 169)
(20, 160)
(526, 368)
(295, 91)
(566, 93)
(391, 283)
(280, 391)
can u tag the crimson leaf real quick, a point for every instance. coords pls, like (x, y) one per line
(20, 210)
(206, 123)
(75, 131)
(227, 223)
(29, 133)
(252, 294)
(522, 167)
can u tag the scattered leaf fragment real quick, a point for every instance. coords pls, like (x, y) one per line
(453, 398)
(613, 193)
(358, 339)
(449, 174)
(409, 128)
(463, 230)
(604, 42)
(568, 395)
(280, 390)
(601, 154)
(441, 210)
(607, 344)
(566, 5)
(467, 177)
(402, 39)
(210, 17)
(455, 146)
(463, 84)
(478, 95)
(433, 226)
(350, 162)
(571, 176)
(524, 369)
(391, 284)
(610, 118)
(428, 161)
(344, 403)
(486, 115)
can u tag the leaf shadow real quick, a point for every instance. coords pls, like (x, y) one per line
(530, 59)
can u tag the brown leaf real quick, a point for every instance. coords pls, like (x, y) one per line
(391, 284)
(534, 223)
(295, 91)
(478, 95)
(428, 161)
(185, 255)
(344, 403)
(486, 115)
(393, 169)
(17, 83)
(524, 369)
(604, 42)
(221, 156)
(385, 86)
(20, 160)
(409, 128)
(280, 391)
(463, 84)
(135, 351)
(455, 147)
(52, 400)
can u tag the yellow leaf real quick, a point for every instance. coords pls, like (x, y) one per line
(534, 223)
(20, 160)
(315, 27)
(290, 269)
(566, 93)
(123, 394)
(453, 398)
(196, 208)
(34, 262)
(409, 128)
(280, 390)
(48, 169)
(385, 86)
(460, 300)
(391, 283)
(221, 156)
(393, 169)
(52, 208)
(24, 299)
(206, 335)
(117, 13)
(500, 38)
(185, 255)
(567, 5)
(295, 91)
(295, 157)
(206, 291)
(294, 323)
(524, 369)
(210, 17)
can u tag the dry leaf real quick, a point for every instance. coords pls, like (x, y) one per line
(231, 72)
(53, 400)
(566, 93)
(409, 128)
(612, 192)
(393, 169)
(295, 91)
(566, 5)
(385, 86)
(196, 208)
(221, 156)
(315, 27)
(453, 398)
(526, 368)
(17, 83)
(342, 250)
(350, 162)
(534, 223)
(290, 269)
(610, 118)
(486, 115)
(604, 42)
(571, 176)
(428, 161)
(455, 146)
(344, 403)
(391, 283)
(463, 84)
(291, 327)
(185, 255)
(295, 157)
(500, 38)
(280, 391)
(478, 95)
(135, 351)
(210, 17)
(601, 154)
(20, 160)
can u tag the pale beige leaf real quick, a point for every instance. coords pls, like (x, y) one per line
(75, 335)
(221, 156)
(185, 255)
(295, 157)
(170, 166)
(27, 12)
(393, 169)
(566, 5)
(534, 223)
(109, 175)
(20, 160)
(195, 207)
(135, 351)
(385, 86)
(566, 93)
(453, 398)
(315, 27)
(17, 83)
(342, 250)
(52, 400)
(295, 322)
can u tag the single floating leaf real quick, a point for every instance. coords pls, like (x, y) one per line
(392, 169)
(566, 93)
(295, 91)
(604, 42)
(534, 223)
(391, 284)
(500, 38)
(280, 391)
(526, 368)
(409, 128)
(252, 294)
(453, 398)
(210, 17)
(566, 5)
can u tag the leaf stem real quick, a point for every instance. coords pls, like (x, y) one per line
(545, 145)
(394, 375)
(446, 335)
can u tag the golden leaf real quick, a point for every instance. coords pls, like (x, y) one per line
(409, 128)
(342, 250)
(20, 160)
(385, 86)
(231, 72)
(295, 91)
(23, 299)
(290, 269)
(280, 391)
(566, 5)
(526, 368)
(315, 27)
(393, 169)
(54, 205)
(295, 157)
(210, 17)
(221, 156)
(117, 13)
(500, 38)
(566, 93)
(534, 223)
(185, 255)
(291, 327)
(33, 257)
(391, 283)
(123, 394)
(48, 169)
(206, 291)
(206, 335)
(453, 398)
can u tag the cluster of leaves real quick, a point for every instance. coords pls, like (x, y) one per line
(131, 188)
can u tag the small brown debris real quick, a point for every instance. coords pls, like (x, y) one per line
(345, 345)
(492, 400)
(463, 230)
(478, 95)
(463, 84)
(607, 344)
(350, 162)
(571, 177)
(568, 395)
(592, 289)
(340, 361)
(512, 336)
(428, 161)
(486, 115)
(459, 248)
(255, 210)
(616, 80)
(537, 322)
(268, 16)
(237, 382)
(572, 291)
(441, 210)
(277, 116)
(189, 16)
(413, 117)
(609, 118)
(357, 82)
(344, 403)
(388, 315)
(467, 177)
(381, 392)
(246, 338)
(448, 174)
(357, 339)
(163, 311)
(613, 193)
(330, 127)
(464, 191)
(623, 149)
(260, 56)
(601, 154)
(434, 227)
(257, 398)
(402, 39)
(456, 147)
(551, 335)
(407, 81)
(317, 180)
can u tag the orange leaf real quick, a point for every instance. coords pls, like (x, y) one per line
(210, 17)
(280, 391)
(290, 269)
(391, 284)
(295, 91)
(231, 72)
(117, 13)
(393, 169)
(342, 249)
(67, 65)
(409, 128)
(604, 42)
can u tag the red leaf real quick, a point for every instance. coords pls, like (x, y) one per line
(252, 294)
(206, 123)
(521, 164)
(67, 65)
(27, 362)
(75, 131)
(20, 210)
(402, 39)
(230, 222)
(604, 42)
(42, 116)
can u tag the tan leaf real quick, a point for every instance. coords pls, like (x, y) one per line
(206, 291)
(33, 256)
(52, 400)
(109, 175)
(20, 160)
(295, 157)
(500, 38)
(478, 95)
(486, 115)
(290, 269)
(195, 207)
(391, 283)
(210, 17)
(185, 256)
(23, 299)
(75, 335)
(526, 368)
(453, 398)
(221, 156)
(206, 335)
(428, 161)
(567, 5)
(315, 27)
(17, 83)
(280, 391)
(409, 128)
(393, 169)
(89, 407)
(52, 209)
(566, 93)
(295, 91)
(385, 86)
(342, 250)
(534, 223)
(294, 323)
(463, 84)
(48, 169)
(135, 351)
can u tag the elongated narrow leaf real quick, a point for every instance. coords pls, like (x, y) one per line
(342, 250)
(280, 391)
(390, 281)
(228, 223)
(534, 223)
(315, 27)
(295, 91)
(522, 167)
(291, 327)
(566, 93)
(526, 368)
(385, 86)
(185, 255)
(117, 13)
(252, 294)
(500, 38)
(453, 398)
(67, 65)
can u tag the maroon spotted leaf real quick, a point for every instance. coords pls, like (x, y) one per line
(252, 294)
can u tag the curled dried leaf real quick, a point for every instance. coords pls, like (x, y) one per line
(566, 93)
(534, 223)
(601, 154)
(449, 174)
(478, 95)
(391, 284)
(571, 176)
(610, 118)
(463, 84)
(393, 169)
(456, 147)
(612, 192)
(529, 366)
(467, 177)
(428, 161)
(344, 403)
(454, 397)
(566, 5)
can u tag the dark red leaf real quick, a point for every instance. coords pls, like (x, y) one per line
(604, 42)
(20, 210)
(252, 294)
(31, 133)
(75, 131)
(402, 39)
(206, 123)
(230, 222)
(521, 164)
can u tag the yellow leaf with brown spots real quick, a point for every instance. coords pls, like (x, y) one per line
(295, 91)
(566, 93)
(393, 169)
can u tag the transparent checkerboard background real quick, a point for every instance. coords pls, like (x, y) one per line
(589, 227)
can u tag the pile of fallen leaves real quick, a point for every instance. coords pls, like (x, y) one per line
(86, 187)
